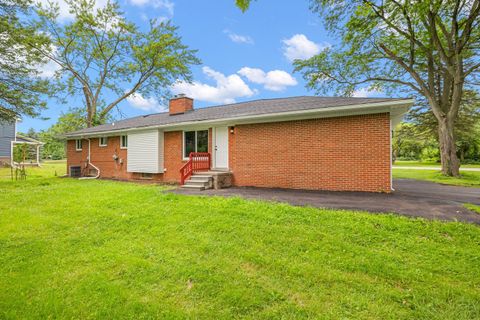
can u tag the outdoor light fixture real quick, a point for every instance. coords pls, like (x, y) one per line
(232, 130)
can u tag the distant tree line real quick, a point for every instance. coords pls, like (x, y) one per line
(54, 137)
(416, 138)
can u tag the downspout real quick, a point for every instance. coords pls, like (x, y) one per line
(91, 164)
(391, 155)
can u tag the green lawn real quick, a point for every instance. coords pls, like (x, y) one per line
(429, 164)
(467, 179)
(107, 250)
(49, 168)
(472, 207)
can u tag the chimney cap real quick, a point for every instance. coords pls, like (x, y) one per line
(180, 95)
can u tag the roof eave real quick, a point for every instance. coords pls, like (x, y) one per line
(399, 107)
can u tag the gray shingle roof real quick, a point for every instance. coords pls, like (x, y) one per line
(242, 109)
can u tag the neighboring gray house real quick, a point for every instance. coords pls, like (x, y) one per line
(9, 138)
(7, 135)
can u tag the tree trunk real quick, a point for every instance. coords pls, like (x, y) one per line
(90, 114)
(448, 149)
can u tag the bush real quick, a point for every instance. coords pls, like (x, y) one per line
(430, 154)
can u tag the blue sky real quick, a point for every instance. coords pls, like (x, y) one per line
(244, 56)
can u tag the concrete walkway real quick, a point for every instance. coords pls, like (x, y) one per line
(413, 198)
(434, 168)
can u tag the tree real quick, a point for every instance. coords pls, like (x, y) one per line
(54, 137)
(425, 47)
(428, 47)
(21, 88)
(405, 142)
(466, 127)
(101, 54)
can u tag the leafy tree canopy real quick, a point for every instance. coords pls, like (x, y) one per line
(425, 47)
(21, 88)
(105, 59)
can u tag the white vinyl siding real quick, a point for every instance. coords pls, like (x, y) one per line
(145, 152)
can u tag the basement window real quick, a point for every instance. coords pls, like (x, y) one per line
(75, 172)
(145, 175)
(102, 142)
(194, 141)
(123, 142)
(78, 145)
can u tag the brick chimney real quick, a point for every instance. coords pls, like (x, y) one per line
(180, 104)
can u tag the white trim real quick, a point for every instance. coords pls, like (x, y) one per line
(214, 147)
(76, 144)
(394, 107)
(183, 146)
(391, 157)
(31, 143)
(14, 140)
(100, 144)
(121, 141)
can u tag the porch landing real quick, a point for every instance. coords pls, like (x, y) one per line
(212, 179)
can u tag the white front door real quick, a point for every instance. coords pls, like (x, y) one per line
(221, 147)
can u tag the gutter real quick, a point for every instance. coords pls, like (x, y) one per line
(89, 163)
(235, 120)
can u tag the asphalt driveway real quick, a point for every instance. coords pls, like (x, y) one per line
(413, 198)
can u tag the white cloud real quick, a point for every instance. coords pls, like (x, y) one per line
(159, 4)
(137, 101)
(300, 47)
(48, 69)
(238, 38)
(226, 90)
(275, 80)
(365, 92)
(64, 8)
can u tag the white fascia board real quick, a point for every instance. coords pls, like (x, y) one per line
(397, 106)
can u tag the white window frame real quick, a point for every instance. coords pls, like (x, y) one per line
(121, 141)
(100, 141)
(77, 141)
(185, 157)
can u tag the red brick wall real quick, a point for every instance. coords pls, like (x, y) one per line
(173, 155)
(102, 157)
(346, 153)
(180, 105)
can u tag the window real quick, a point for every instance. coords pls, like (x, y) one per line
(195, 141)
(78, 145)
(75, 171)
(102, 141)
(123, 142)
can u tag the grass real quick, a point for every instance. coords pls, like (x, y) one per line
(102, 249)
(467, 179)
(429, 164)
(472, 207)
(49, 168)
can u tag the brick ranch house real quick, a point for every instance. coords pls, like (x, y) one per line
(318, 143)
